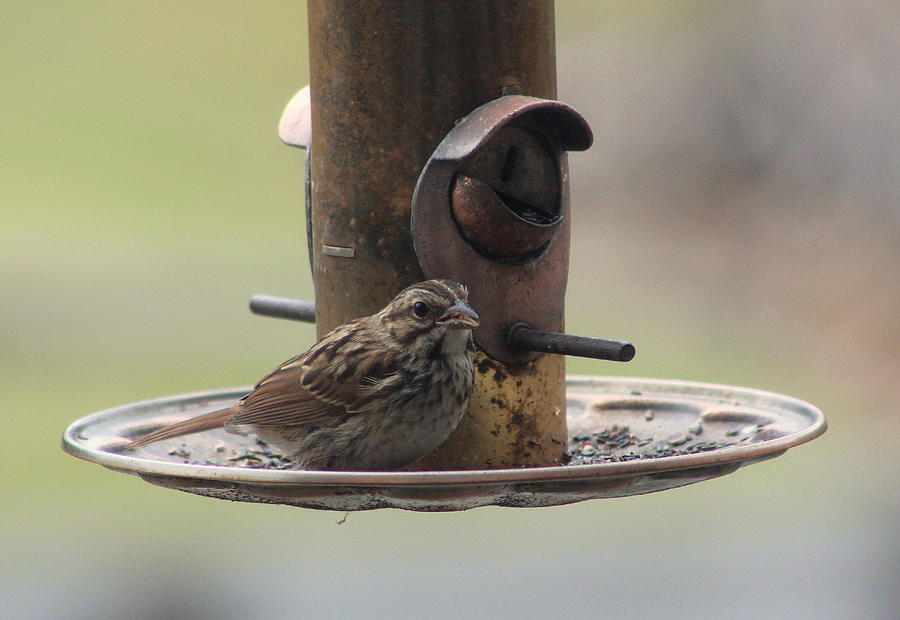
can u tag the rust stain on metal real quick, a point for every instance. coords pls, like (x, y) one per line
(526, 426)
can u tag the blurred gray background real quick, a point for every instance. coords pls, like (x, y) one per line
(740, 211)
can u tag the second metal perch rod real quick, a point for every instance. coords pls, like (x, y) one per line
(521, 336)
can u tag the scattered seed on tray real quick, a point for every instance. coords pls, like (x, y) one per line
(182, 452)
(243, 456)
(616, 444)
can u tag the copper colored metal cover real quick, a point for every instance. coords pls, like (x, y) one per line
(510, 151)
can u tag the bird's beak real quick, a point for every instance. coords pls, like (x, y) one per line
(459, 316)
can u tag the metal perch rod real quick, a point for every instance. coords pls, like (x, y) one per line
(283, 308)
(521, 336)
(524, 337)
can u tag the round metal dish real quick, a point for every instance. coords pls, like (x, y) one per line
(621, 430)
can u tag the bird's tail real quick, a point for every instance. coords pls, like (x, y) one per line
(204, 422)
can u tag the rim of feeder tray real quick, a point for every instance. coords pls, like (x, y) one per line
(96, 437)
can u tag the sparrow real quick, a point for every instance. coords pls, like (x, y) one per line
(377, 393)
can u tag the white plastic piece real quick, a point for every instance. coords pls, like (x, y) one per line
(295, 126)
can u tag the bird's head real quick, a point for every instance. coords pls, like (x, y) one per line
(433, 309)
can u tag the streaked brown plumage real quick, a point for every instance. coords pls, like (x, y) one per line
(377, 393)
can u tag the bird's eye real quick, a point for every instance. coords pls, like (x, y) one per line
(420, 309)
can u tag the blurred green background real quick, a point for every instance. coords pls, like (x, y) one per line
(739, 211)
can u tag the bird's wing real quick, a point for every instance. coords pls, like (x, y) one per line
(337, 376)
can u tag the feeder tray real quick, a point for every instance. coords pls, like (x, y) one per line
(626, 437)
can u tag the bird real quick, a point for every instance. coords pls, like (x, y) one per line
(377, 393)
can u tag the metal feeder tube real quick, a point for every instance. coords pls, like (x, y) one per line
(389, 79)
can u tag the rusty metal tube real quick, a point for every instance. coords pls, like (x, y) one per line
(389, 79)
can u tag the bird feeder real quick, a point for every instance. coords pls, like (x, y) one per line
(437, 149)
